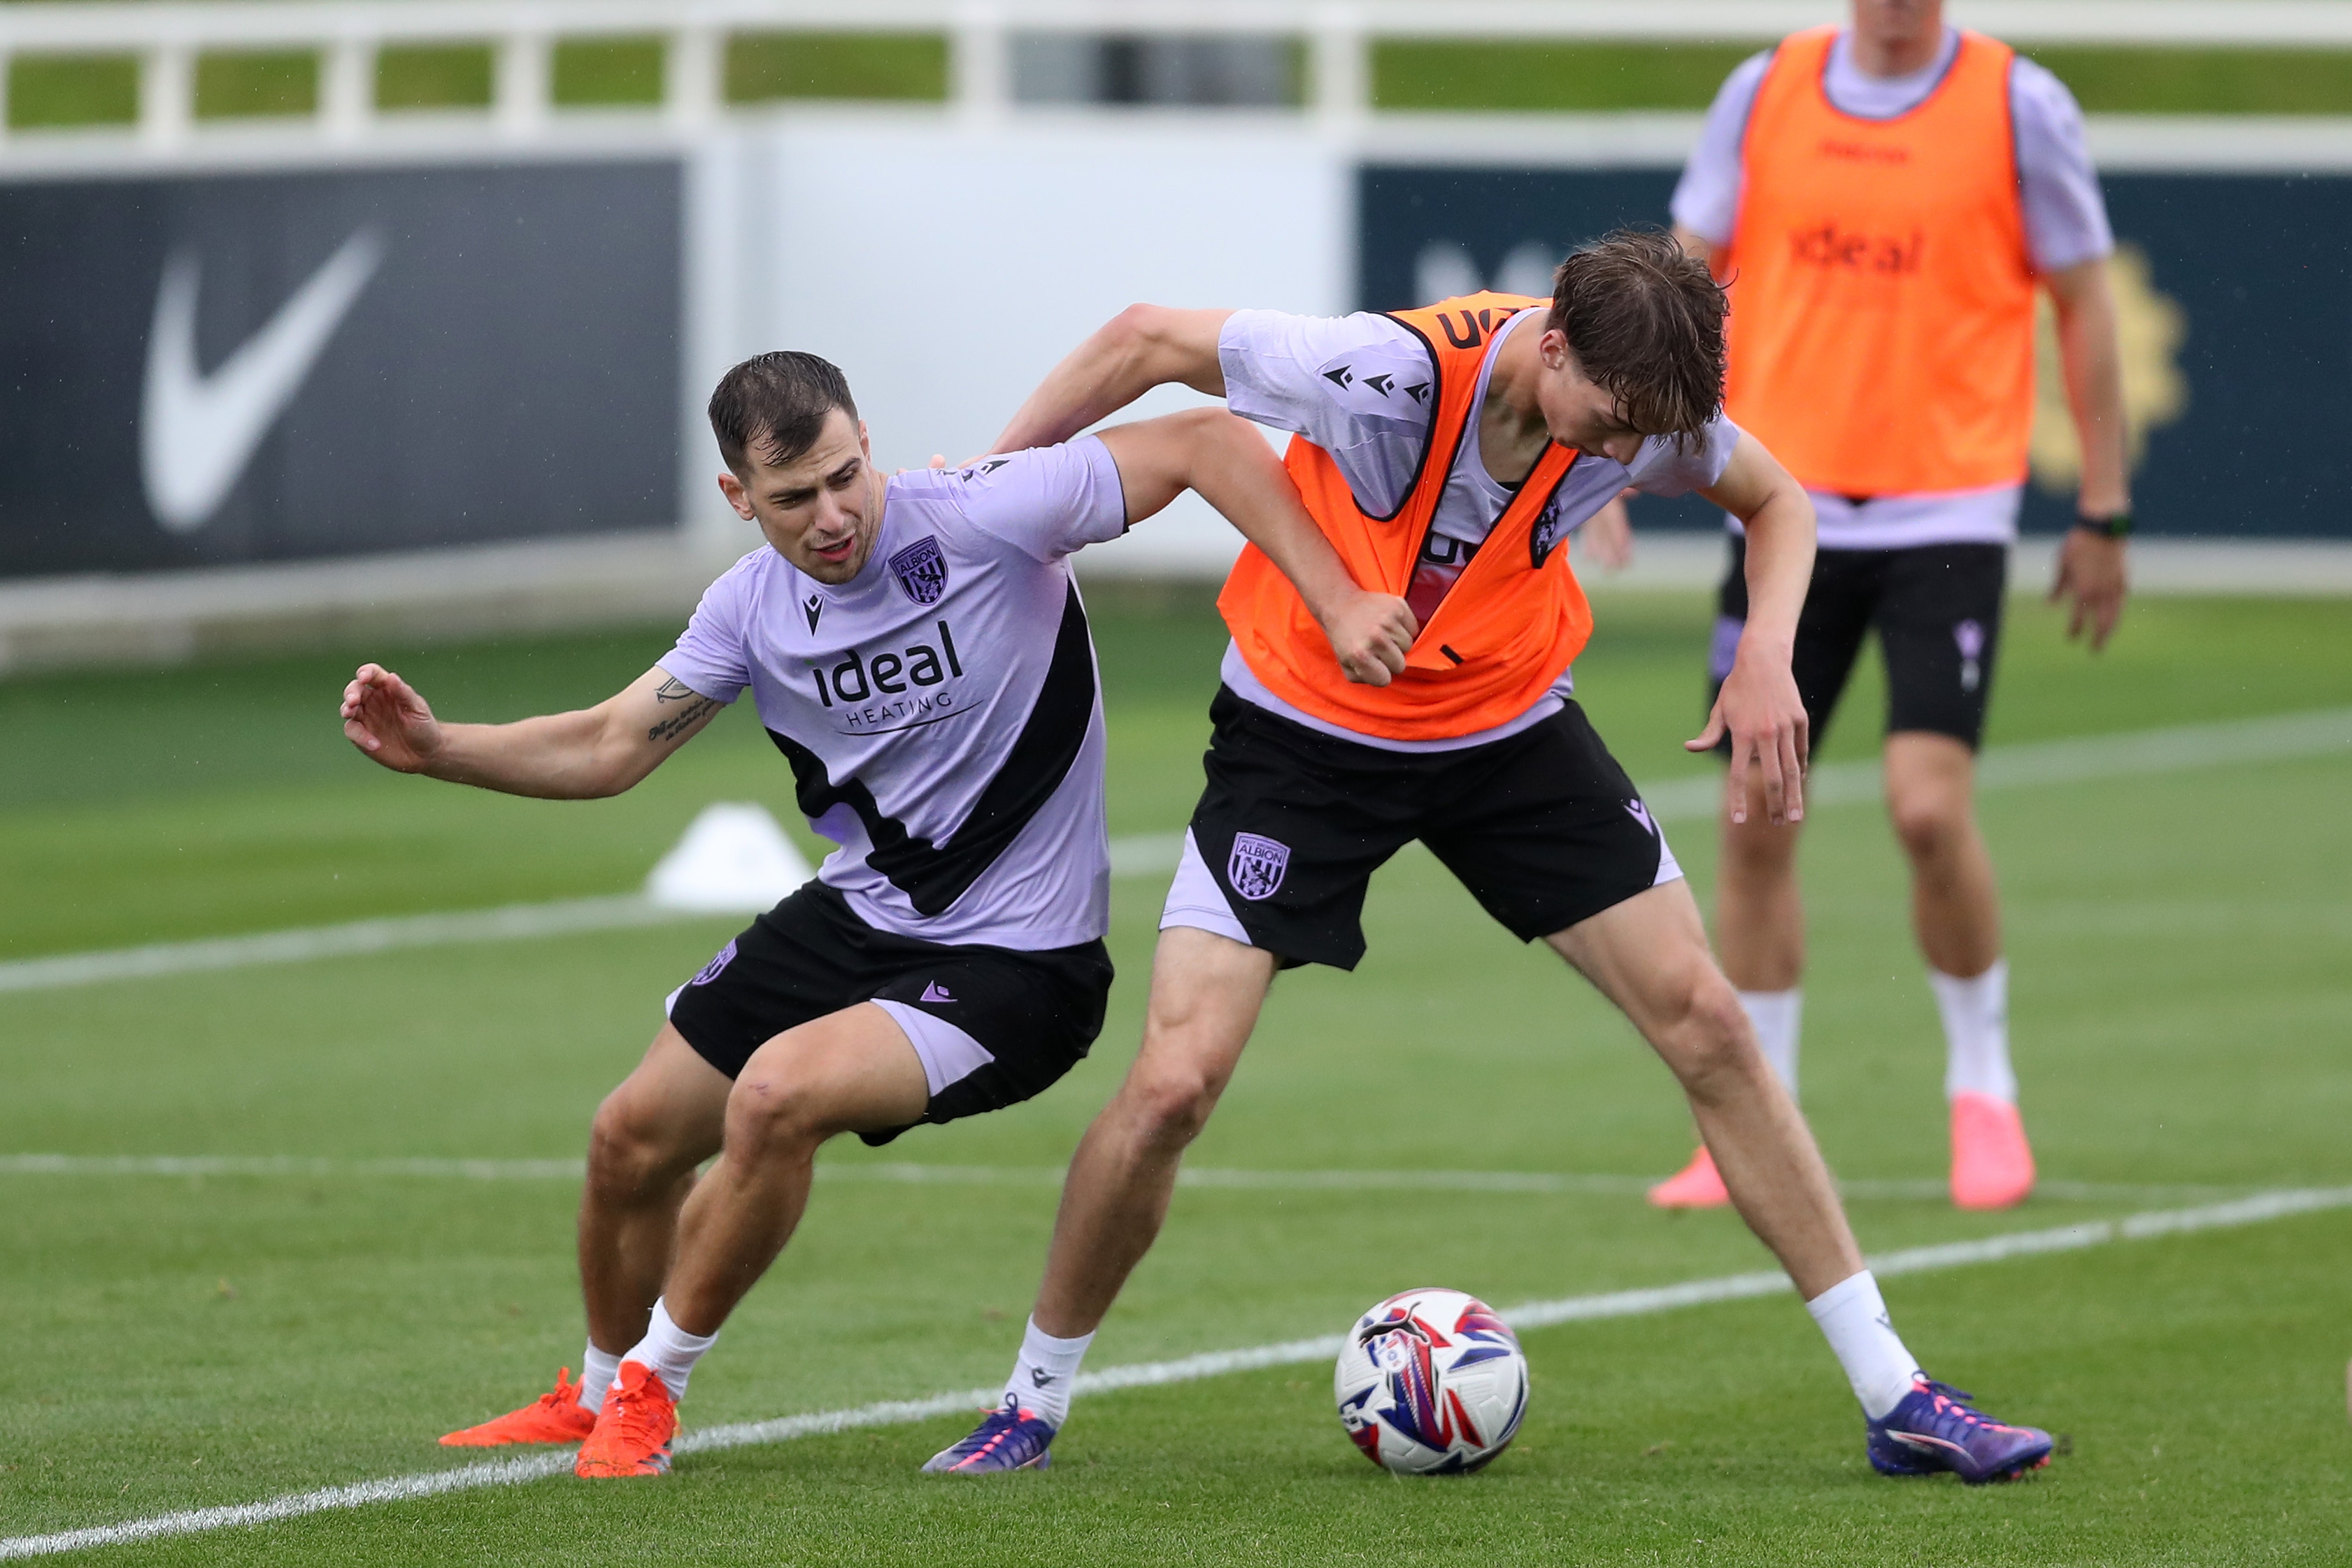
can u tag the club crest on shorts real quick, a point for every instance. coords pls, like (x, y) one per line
(710, 970)
(1255, 867)
(921, 570)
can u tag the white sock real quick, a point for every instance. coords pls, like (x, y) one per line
(597, 1370)
(670, 1351)
(1042, 1375)
(1976, 1033)
(1776, 1015)
(1852, 1318)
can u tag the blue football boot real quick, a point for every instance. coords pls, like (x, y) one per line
(1934, 1429)
(1009, 1438)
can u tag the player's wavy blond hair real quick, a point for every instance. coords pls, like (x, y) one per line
(1644, 319)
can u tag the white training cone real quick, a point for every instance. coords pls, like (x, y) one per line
(734, 860)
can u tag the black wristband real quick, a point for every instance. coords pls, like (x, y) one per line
(2116, 527)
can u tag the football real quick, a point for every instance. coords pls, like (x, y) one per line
(1432, 1383)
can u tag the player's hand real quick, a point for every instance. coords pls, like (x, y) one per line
(2091, 573)
(1760, 710)
(1370, 633)
(385, 717)
(1606, 539)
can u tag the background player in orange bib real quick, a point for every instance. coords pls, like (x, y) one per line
(1883, 201)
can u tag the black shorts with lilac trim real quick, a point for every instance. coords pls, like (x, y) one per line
(1543, 828)
(993, 1025)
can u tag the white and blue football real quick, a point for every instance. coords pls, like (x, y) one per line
(1432, 1383)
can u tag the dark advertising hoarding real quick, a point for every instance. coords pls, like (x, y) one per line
(2232, 291)
(210, 368)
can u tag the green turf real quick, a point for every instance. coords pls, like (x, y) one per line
(765, 67)
(433, 76)
(2179, 1000)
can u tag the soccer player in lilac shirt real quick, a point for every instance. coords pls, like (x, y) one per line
(917, 650)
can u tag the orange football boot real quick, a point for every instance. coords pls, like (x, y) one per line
(633, 1432)
(1992, 1164)
(1696, 1186)
(555, 1416)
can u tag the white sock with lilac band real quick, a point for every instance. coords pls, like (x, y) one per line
(1976, 1032)
(1776, 1015)
(1041, 1377)
(597, 1370)
(670, 1351)
(1852, 1318)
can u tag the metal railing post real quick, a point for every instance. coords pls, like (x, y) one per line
(525, 80)
(691, 89)
(167, 95)
(347, 96)
(1339, 68)
(980, 65)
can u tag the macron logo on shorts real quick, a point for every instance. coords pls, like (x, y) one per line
(710, 970)
(1641, 814)
(1255, 867)
(935, 992)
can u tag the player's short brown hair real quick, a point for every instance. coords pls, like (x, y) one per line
(1644, 319)
(779, 402)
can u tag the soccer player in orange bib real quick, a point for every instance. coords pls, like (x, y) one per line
(1447, 453)
(1882, 201)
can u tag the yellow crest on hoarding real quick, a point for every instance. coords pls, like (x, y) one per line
(2149, 329)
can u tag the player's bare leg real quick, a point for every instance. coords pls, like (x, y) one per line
(1956, 913)
(853, 1071)
(1648, 955)
(849, 1071)
(1955, 902)
(650, 1133)
(1206, 991)
(1759, 924)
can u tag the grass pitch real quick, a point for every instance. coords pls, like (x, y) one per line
(2180, 1005)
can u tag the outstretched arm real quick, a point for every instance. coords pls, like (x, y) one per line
(2089, 564)
(583, 756)
(1760, 706)
(1142, 347)
(1223, 458)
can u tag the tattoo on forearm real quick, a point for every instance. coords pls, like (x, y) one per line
(681, 721)
(673, 691)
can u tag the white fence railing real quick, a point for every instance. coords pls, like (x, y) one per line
(167, 37)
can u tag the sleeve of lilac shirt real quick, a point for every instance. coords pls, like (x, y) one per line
(1664, 467)
(1046, 502)
(1357, 386)
(2065, 216)
(709, 657)
(1706, 198)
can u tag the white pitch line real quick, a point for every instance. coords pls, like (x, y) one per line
(1531, 1315)
(1539, 1183)
(2180, 748)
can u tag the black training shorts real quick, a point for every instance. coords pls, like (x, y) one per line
(1937, 610)
(1032, 1015)
(1543, 828)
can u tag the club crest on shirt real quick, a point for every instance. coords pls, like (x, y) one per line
(921, 570)
(1547, 532)
(1255, 867)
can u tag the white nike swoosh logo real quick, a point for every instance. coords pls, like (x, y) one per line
(197, 431)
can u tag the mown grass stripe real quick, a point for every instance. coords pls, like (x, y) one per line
(1537, 1182)
(2324, 732)
(2255, 1210)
